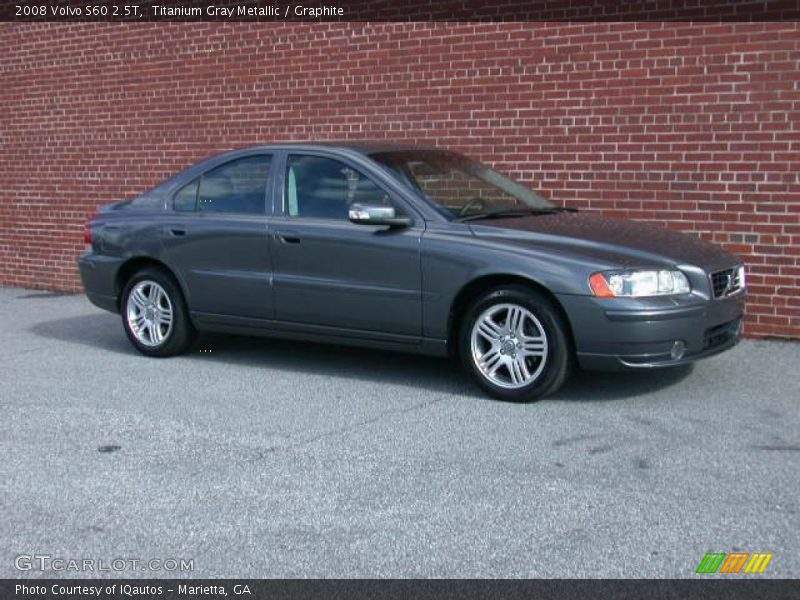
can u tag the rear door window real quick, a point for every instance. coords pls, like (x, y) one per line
(239, 186)
(186, 198)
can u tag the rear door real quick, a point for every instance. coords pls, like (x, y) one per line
(216, 239)
(333, 273)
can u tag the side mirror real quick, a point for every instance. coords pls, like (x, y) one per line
(374, 214)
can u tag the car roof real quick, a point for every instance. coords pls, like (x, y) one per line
(364, 147)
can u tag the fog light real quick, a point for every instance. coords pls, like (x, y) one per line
(678, 350)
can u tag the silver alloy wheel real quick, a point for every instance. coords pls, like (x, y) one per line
(149, 313)
(509, 345)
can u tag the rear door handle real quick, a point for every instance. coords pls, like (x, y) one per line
(287, 237)
(176, 231)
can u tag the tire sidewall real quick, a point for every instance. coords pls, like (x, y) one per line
(181, 334)
(557, 361)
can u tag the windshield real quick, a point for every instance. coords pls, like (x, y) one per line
(460, 188)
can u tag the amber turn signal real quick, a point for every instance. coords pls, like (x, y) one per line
(599, 286)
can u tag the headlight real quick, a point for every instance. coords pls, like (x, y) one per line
(638, 284)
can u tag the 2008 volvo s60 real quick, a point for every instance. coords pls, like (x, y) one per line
(406, 248)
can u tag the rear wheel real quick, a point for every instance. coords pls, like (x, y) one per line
(154, 314)
(514, 342)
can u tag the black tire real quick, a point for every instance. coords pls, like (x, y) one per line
(180, 336)
(558, 354)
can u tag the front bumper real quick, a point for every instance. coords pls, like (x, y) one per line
(618, 333)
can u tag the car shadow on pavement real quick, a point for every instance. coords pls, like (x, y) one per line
(104, 332)
(594, 386)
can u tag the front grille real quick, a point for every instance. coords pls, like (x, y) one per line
(721, 334)
(726, 282)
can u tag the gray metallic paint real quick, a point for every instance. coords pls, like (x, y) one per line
(396, 288)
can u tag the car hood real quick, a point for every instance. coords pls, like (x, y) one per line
(628, 243)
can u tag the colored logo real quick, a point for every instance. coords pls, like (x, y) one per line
(735, 562)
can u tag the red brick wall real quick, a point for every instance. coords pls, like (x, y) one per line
(694, 126)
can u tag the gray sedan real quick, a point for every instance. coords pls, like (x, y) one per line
(412, 249)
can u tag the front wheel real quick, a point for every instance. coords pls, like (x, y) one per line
(515, 343)
(154, 314)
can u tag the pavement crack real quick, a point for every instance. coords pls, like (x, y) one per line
(351, 428)
(779, 448)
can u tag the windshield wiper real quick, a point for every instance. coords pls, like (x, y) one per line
(516, 212)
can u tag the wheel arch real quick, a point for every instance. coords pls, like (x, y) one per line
(135, 264)
(474, 288)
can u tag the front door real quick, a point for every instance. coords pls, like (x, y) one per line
(333, 273)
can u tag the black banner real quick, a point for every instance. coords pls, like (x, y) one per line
(565, 589)
(397, 10)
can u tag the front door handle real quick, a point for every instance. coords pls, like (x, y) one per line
(176, 231)
(287, 237)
